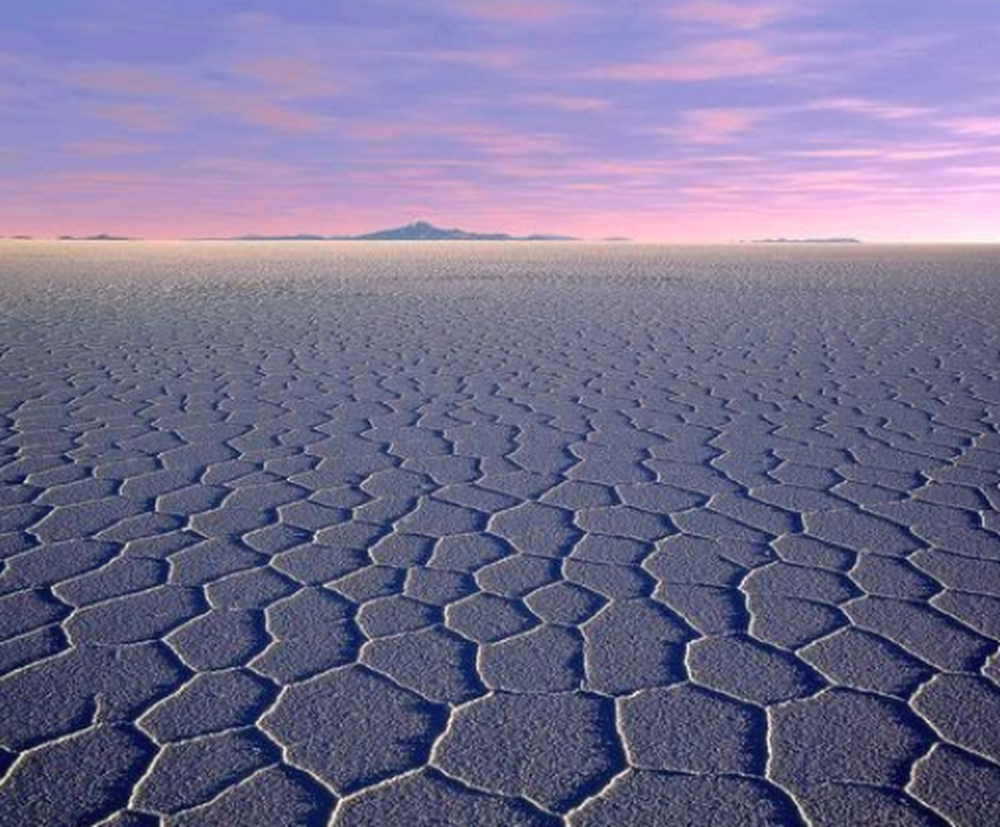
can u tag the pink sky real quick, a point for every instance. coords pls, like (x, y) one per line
(701, 120)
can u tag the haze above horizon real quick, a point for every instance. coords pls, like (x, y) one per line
(692, 120)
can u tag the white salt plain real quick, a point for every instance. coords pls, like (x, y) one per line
(499, 534)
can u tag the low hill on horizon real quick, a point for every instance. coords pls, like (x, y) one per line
(417, 231)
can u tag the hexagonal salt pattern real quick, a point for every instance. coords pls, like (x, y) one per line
(498, 535)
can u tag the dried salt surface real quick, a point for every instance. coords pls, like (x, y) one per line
(498, 534)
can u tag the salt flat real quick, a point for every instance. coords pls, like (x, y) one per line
(499, 534)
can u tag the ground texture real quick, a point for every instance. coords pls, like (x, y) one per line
(498, 535)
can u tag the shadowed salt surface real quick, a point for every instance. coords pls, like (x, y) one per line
(499, 535)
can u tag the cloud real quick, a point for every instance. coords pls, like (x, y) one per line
(120, 80)
(729, 15)
(107, 149)
(519, 12)
(498, 59)
(710, 126)
(974, 127)
(725, 59)
(566, 103)
(871, 108)
(261, 112)
(139, 118)
(288, 76)
(894, 152)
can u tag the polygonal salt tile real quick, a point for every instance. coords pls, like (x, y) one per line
(211, 560)
(77, 780)
(959, 786)
(835, 804)
(965, 710)
(862, 660)
(616, 551)
(659, 499)
(688, 729)
(311, 516)
(807, 583)
(553, 749)
(402, 550)
(574, 495)
(21, 612)
(371, 582)
(209, 702)
(322, 722)
(429, 799)
(221, 639)
(486, 618)
(650, 799)
(148, 615)
(977, 611)
(859, 531)
(708, 609)
(843, 735)
(394, 615)
(613, 582)
(439, 519)
(438, 587)
(188, 774)
(808, 551)
(892, 577)
(565, 603)
(685, 559)
(436, 663)
(277, 795)
(634, 644)
(467, 552)
(518, 575)
(546, 659)
(625, 521)
(790, 623)
(31, 647)
(750, 670)
(959, 571)
(540, 530)
(256, 588)
(923, 631)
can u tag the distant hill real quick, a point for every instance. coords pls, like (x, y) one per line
(100, 237)
(807, 241)
(417, 231)
(422, 231)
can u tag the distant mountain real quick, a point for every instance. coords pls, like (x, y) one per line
(422, 231)
(417, 231)
(807, 241)
(100, 237)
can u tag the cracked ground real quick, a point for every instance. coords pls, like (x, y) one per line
(498, 535)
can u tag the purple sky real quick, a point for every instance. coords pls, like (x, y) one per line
(700, 120)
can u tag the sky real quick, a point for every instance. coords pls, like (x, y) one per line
(667, 120)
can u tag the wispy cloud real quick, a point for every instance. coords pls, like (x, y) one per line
(138, 117)
(108, 149)
(567, 103)
(974, 127)
(290, 77)
(521, 12)
(712, 126)
(726, 59)
(870, 108)
(730, 15)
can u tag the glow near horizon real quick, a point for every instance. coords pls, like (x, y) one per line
(696, 120)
